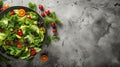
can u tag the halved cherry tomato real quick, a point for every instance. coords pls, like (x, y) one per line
(32, 52)
(12, 13)
(47, 12)
(20, 32)
(44, 58)
(19, 45)
(40, 7)
(21, 12)
(6, 6)
(28, 16)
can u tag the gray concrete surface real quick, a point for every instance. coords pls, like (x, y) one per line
(89, 35)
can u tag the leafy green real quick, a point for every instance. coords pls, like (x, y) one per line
(52, 17)
(33, 15)
(37, 49)
(32, 5)
(48, 40)
(2, 36)
(1, 3)
(13, 50)
(25, 55)
(48, 20)
(30, 37)
(57, 20)
(55, 38)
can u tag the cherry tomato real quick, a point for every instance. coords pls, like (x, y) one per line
(32, 52)
(40, 7)
(1, 9)
(47, 12)
(42, 14)
(44, 58)
(7, 42)
(54, 31)
(53, 24)
(28, 16)
(12, 13)
(19, 45)
(1, 29)
(6, 6)
(20, 32)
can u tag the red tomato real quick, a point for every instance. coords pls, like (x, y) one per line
(40, 7)
(20, 32)
(32, 52)
(12, 13)
(42, 14)
(19, 45)
(7, 42)
(1, 9)
(54, 31)
(47, 12)
(28, 16)
(53, 24)
(1, 29)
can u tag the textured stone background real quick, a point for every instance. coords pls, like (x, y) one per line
(90, 34)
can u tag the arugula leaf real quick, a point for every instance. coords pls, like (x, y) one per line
(55, 38)
(57, 20)
(32, 6)
(48, 20)
(48, 40)
(52, 15)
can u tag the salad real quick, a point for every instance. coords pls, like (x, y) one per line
(21, 33)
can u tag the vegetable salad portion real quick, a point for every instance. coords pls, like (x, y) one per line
(21, 33)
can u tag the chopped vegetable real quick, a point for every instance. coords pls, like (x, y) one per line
(21, 12)
(19, 37)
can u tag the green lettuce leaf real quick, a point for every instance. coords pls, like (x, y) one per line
(25, 55)
(32, 5)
